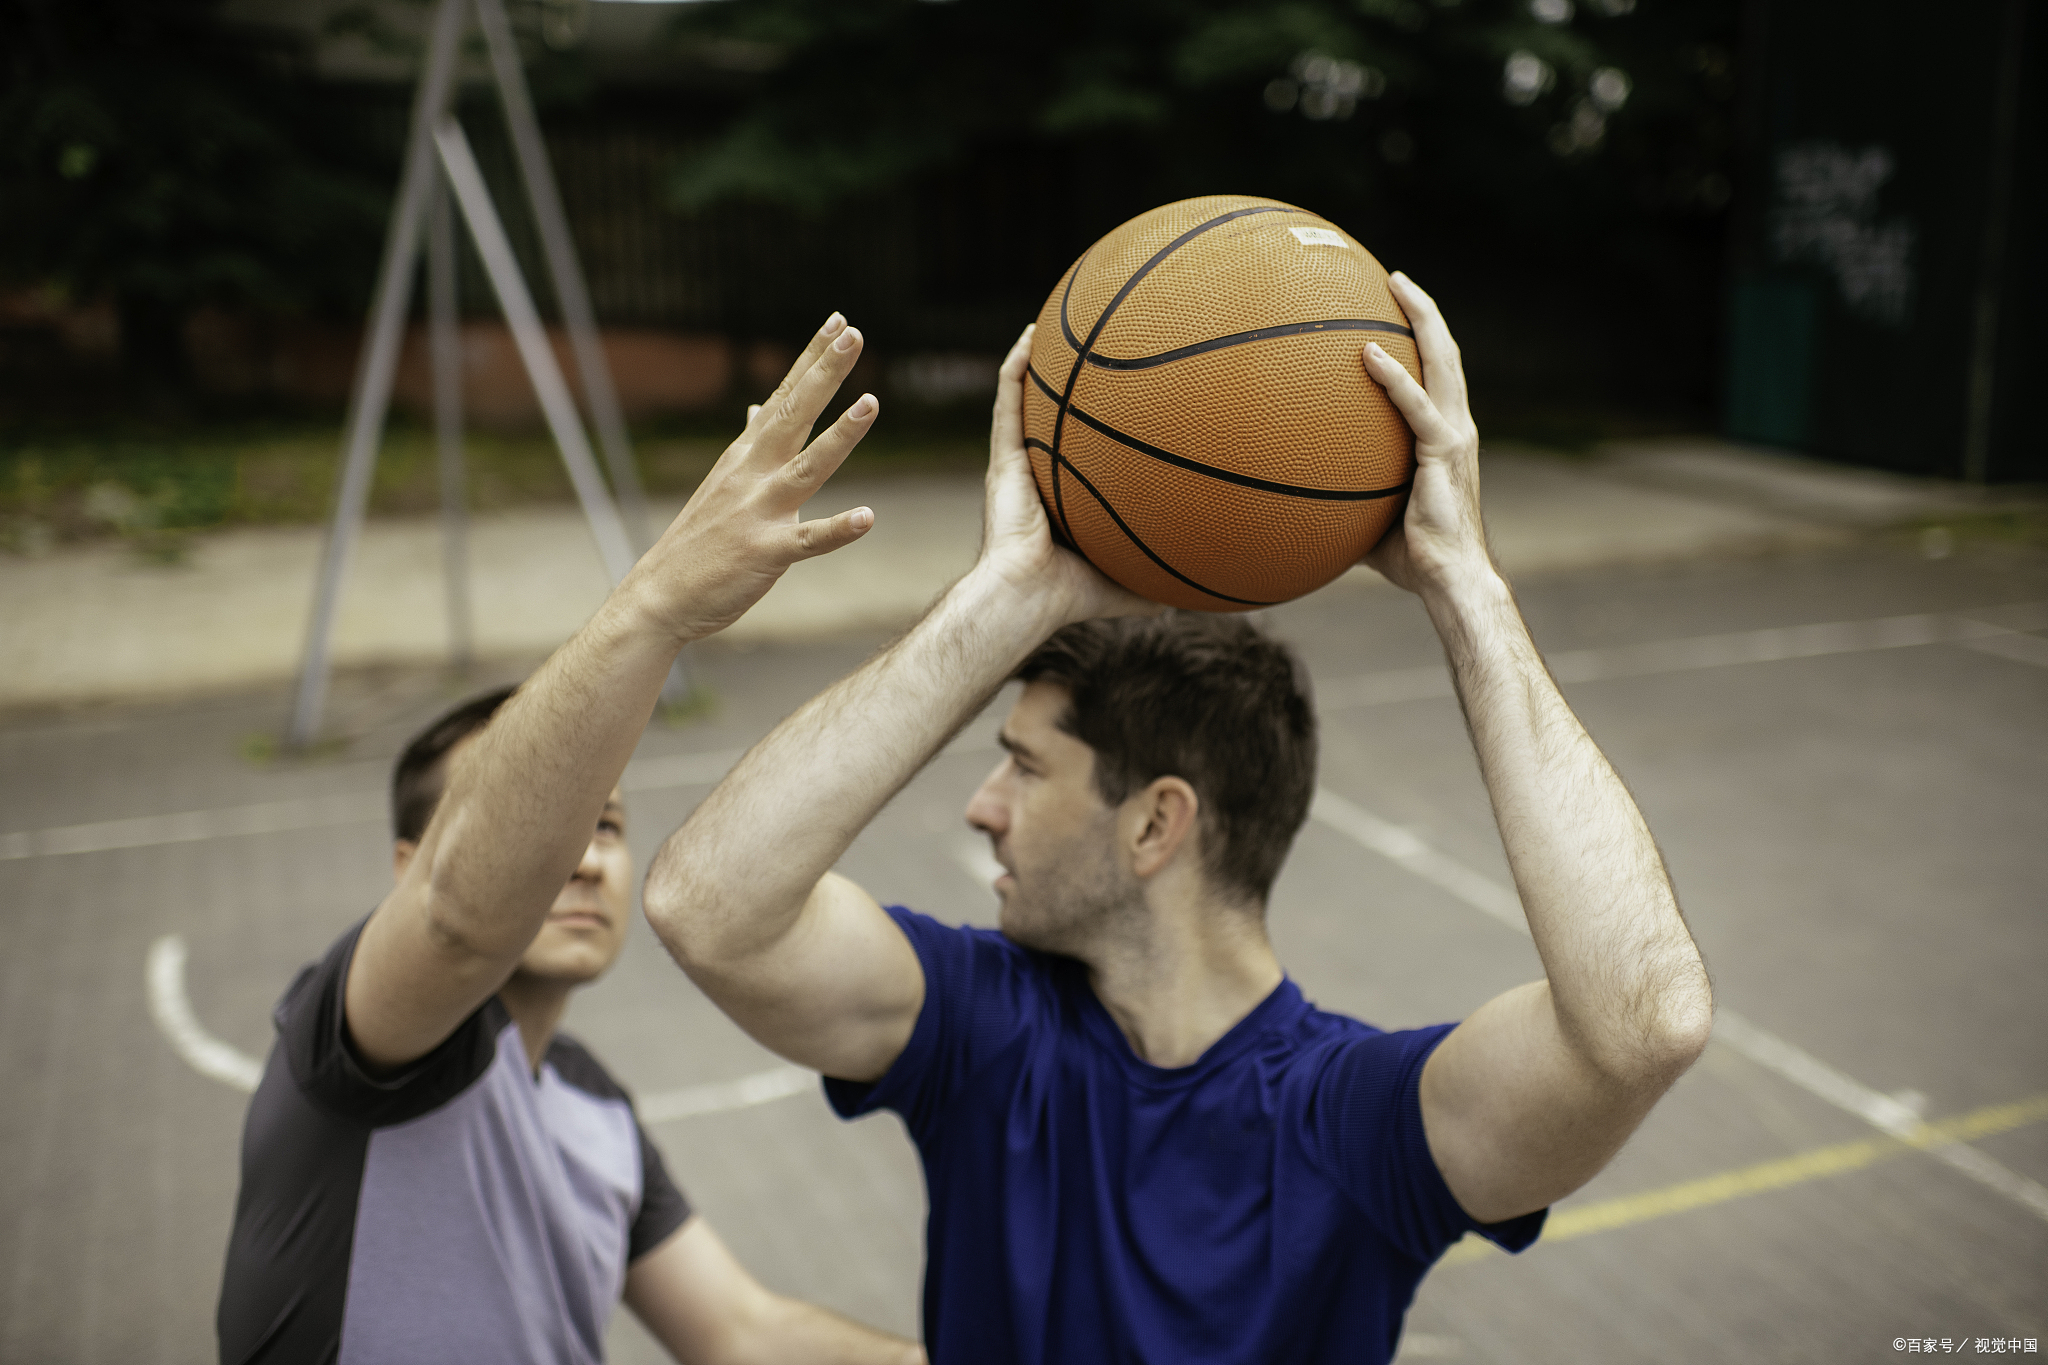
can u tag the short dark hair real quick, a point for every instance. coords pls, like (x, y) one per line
(1209, 699)
(417, 781)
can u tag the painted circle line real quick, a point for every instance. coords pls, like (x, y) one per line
(171, 1009)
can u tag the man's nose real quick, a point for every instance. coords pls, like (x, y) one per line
(986, 810)
(591, 868)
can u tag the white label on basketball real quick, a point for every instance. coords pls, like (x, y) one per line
(1318, 237)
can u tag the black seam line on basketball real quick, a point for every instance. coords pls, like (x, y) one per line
(1291, 490)
(1059, 421)
(1146, 362)
(1059, 500)
(1134, 538)
(1066, 327)
(1039, 380)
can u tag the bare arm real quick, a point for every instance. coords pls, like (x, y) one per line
(519, 809)
(805, 961)
(1530, 1097)
(703, 1306)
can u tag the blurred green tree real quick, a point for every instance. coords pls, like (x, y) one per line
(154, 152)
(1548, 154)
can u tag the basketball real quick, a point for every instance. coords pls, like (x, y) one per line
(1198, 418)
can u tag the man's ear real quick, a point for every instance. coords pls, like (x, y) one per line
(401, 857)
(1162, 821)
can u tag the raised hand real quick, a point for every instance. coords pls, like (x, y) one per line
(1440, 532)
(740, 530)
(1016, 534)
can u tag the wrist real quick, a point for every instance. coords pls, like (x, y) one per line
(1473, 581)
(1030, 610)
(636, 610)
(1469, 602)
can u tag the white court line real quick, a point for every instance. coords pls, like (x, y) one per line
(310, 812)
(1732, 1030)
(146, 831)
(2000, 635)
(171, 1008)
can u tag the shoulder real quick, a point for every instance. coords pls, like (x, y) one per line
(321, 1060)
(959, 959)
(924, 930)
(578, 1067)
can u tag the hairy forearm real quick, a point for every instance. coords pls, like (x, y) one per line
(1626, 981)
(810, 787)
(521, 805)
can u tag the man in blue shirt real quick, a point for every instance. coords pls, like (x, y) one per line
(1140, 1142)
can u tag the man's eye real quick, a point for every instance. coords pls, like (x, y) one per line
(610, 827)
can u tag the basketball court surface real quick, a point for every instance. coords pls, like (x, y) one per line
(1842, 753)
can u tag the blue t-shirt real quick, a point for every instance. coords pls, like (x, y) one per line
(1275, 1201)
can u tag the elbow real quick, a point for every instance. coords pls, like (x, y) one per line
(674, 906)
(1679, 1025)
(1646, 1050)
(1685, 1032)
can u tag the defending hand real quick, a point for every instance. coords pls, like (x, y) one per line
(740, 532)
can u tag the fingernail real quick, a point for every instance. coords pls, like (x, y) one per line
(863, 517)
(863, 407)
(846, 340)
(832, 324)
(1372, 348)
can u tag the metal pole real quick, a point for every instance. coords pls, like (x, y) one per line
(371, 394)
(571, 292)
(532, 340)
(1991, 265)
(445, 327)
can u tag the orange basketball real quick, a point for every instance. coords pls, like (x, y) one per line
(1198, 417)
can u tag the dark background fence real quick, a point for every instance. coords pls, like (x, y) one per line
(1615, 257)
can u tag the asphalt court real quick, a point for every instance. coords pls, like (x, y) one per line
(1856, 836)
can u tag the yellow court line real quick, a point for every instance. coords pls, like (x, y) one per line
(1817, 1164)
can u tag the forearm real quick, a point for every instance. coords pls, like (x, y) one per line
(1626, 981)
(810, 787)
(793, 1332)
(519, 808)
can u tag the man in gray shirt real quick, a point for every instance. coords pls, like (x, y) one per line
(430, 1172)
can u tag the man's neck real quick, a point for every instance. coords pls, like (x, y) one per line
(1186, 978)
(537, 1006)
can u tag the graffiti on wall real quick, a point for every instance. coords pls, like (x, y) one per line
(1826, 213)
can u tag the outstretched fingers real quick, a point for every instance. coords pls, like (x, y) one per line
(785, 418)
(818, 461)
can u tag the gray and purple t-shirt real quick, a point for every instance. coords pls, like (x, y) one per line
(463, 1209)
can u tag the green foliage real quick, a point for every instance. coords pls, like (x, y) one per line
(151, 151)
(1190, 96)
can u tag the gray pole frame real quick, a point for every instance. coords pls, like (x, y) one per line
(572, 294)
(434, 136)
(371, 394)
(474, 198)
(445, 328)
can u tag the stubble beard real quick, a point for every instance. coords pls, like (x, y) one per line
(1073, 899)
